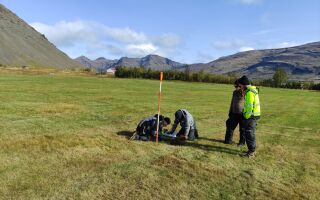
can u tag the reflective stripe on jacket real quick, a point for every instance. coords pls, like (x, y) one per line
(149, 125)
(251, 103)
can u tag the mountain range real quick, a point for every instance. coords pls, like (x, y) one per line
(21, 45)
(300, 62)
(154, 62)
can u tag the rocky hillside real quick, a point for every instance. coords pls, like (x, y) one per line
(300, 62)
(22, 45)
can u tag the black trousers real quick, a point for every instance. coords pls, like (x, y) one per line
(141, 130)
(231, 124)
(193, 134)
(143, 133)
(249, 127)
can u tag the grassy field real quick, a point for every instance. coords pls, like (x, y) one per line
(65, 137)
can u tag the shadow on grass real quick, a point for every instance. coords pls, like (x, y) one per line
(127, 134)
(213, 148)
(212, 140)
(206, 147)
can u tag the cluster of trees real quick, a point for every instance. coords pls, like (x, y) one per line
(291, 84)
(186, 75)
(280, 78)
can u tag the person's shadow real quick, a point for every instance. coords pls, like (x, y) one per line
(214, 148)
(126, 133)
(212, 140)
(206, 147)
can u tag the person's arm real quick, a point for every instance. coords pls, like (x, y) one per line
(160, 126)
(174, 126)
(230, 109)
(153, 127)
(248, 105)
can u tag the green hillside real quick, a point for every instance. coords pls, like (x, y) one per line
(21, 45)
(66, 137)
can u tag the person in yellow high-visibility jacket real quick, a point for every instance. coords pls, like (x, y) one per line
(251, 113)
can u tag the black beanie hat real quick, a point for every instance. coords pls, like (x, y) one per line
(168, 120)
(160, 117)
(236, 82)
(244, 80)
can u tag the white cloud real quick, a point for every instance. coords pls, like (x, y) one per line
(205, 57)
(67, 33)
(168, 40)
(246, 49)
(125, 35)
(250, 2)
(228, 44)
(94, 39)
(263, 32)
(266, 19)
(285, 44)
(141, 49)
(234, 45)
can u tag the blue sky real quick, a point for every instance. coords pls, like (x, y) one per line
(187, 31)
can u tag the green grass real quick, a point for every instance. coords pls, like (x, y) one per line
(64, 137)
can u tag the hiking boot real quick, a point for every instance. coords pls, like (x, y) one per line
(227, 142)
(248, 154)
(240, 144)
(143, 138)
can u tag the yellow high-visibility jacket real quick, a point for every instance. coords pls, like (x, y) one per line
(251, 103)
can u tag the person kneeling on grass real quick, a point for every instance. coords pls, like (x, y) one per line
(188, 129)
(147, 128)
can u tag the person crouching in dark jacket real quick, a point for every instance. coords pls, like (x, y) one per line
(147, 128)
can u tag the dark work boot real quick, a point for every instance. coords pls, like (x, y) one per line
(191, 136)
(228, 136)
(248, 154)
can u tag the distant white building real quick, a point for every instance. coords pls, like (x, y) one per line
(111, 70)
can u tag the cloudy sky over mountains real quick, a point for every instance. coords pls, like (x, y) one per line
(187, 31)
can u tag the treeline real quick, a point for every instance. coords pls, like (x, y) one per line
(280, 80)
(201, 76)
(291, 85)
(186, 75)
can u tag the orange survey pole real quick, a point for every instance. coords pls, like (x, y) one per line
(159, 99)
